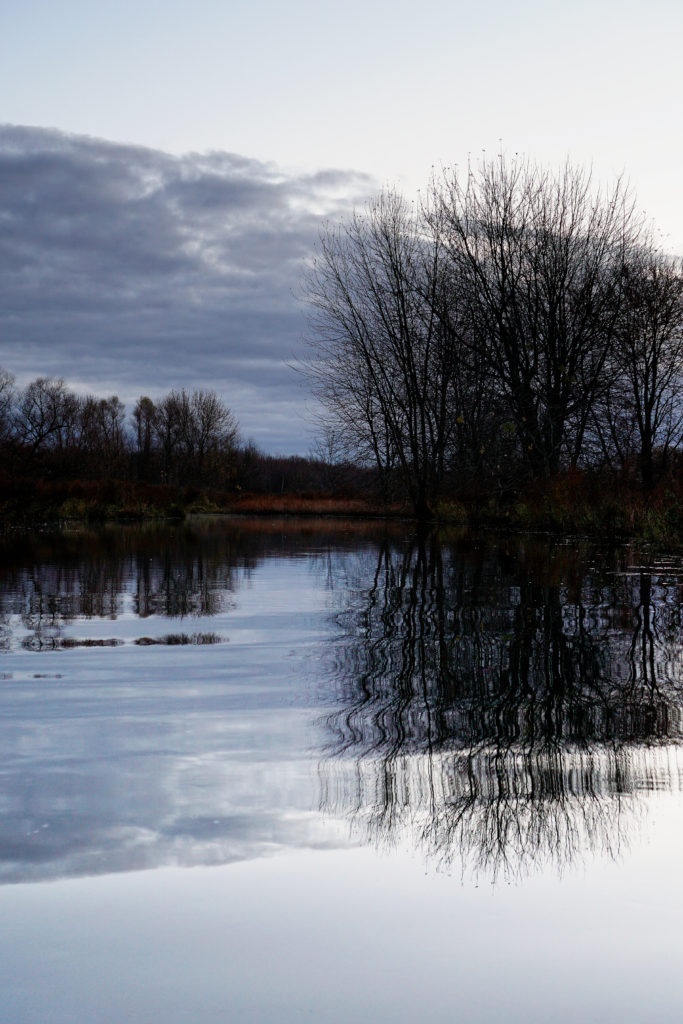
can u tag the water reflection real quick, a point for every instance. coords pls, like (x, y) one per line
(164, 571)
(504, 706)
(153, 708)
(53, 580)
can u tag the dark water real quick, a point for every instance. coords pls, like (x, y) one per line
(269, 771)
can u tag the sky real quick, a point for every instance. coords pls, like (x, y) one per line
(165, 168)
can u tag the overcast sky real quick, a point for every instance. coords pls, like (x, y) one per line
(129, 266)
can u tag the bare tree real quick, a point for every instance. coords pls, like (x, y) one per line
(7, 401)
(381, 361)
(641, 415)
(144, 415)
(209, 433)
(196, 435)
(167, 431)
(46, 416)
(539, 258)
(102, 433)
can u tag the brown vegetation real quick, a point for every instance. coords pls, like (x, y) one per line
(311, 505)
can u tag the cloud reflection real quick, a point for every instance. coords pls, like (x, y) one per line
(502, 707)
(118, 756)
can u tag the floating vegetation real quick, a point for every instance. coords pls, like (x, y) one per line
(58, 643)
(73, 642)
(63, 643)
(180, 639)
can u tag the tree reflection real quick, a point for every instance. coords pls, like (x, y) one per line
(505, 706)
(165, 570)
(49, 581)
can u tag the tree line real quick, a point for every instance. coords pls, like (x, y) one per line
(514, 323)
(184, 439)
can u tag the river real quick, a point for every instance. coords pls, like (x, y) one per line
(280, 770)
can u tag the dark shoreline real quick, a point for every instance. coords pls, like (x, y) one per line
(657, 523)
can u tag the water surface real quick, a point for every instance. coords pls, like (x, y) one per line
(267, 770)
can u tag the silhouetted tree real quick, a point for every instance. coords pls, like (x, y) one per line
(194, 433)
(46, 416)
(208, 436)
(143, 422)
(382, 360)
(640, 414)
(7, 402)
(539, 259)
(102, 435)
(167, 429)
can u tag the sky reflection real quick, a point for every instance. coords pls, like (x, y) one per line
(504, 708)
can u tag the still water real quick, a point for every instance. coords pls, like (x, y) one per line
(263, 771)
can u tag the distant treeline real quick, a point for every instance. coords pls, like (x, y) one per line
(185, 439)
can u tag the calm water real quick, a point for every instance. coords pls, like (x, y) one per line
(272, 772)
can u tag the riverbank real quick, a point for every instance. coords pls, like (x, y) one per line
(574, 505)
(27, 502)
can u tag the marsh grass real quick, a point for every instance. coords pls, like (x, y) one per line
(180, 640)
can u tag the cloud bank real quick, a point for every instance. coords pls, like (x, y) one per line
(130, 271)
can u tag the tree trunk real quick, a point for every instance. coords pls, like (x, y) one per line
(423, 511)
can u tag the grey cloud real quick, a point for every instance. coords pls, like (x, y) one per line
(132, 271)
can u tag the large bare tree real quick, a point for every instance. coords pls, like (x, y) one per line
(539, 258)
(382, 361)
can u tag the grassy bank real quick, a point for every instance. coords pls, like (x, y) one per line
(573, 504)
(578, 504)
(27, 502)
